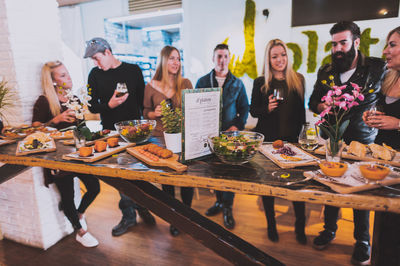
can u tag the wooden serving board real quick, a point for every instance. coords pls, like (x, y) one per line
(71, 142)
(344, 189)
(97, 155)
(62, 135)
(395, 162)
(171, 162)
(6, 141)
(302, 158)
(51, 147)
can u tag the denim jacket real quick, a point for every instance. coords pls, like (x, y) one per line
(235, 105)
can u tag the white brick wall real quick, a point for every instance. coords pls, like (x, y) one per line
(29, 212)
(30, 35)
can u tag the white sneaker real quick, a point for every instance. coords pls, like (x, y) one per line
(87, 240)
(83, 223)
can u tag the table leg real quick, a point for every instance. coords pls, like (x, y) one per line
(208, 233)
(386, 239)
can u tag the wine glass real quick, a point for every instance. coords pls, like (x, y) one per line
(372, 111)
(121, 89)
(278, 95)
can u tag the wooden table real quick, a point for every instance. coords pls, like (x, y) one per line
(127, 175)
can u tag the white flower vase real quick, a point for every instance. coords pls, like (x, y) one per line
(173, 141)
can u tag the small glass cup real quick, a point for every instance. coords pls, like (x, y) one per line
(308, 138)
(278, 95)
(121, 89)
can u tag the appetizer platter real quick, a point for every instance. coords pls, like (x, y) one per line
(355, 177)
(372, 152)
(35, 143)
(99, 150)
(287, 155)
(155, 155)
(98, 135)
(62, 135)
(23, 131)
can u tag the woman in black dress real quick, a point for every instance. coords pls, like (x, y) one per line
(279, 117)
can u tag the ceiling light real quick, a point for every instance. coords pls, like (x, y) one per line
(383, 12)
(147, 15)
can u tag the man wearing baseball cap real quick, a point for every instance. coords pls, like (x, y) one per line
(113, 107)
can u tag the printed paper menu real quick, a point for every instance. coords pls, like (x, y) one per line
(201, 118)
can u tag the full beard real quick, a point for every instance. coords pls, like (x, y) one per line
(343, 63)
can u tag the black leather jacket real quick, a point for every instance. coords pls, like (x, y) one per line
(369, 70)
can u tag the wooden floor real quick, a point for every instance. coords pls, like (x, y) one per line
(145, 245)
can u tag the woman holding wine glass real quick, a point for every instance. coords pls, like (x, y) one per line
(387, 117)
(387, 120)
(167, 84)
(281, 119)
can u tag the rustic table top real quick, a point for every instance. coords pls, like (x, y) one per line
(259, 177)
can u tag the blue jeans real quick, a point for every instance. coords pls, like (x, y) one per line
(129, 207)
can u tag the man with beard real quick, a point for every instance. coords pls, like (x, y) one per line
(349, 65)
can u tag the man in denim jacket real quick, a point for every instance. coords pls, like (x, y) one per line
(235, 110)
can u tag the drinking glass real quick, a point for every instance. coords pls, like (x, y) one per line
(278, 95)
(121, 89)
(308, 138)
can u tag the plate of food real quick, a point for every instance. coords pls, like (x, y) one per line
(35, 143)
(372, 152)
(359, 176)
(62, 135)
(154, 155)
(24, 130)
(100, 150)
(287, 155)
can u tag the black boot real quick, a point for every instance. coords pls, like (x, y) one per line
(229, 222)
(269, 210)
(123, 226)
(215, 209)
(273, 233)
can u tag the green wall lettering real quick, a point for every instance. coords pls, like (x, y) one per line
(297, 54)
(366, 41)
(312, 50)
(248, 63)
(327, 59)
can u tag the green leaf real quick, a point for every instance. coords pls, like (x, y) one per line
(327, 131)
(342, 128)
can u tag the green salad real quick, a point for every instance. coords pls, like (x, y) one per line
(235, 148)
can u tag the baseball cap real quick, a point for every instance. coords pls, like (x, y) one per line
(96, 45)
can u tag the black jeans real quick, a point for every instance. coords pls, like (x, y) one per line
(128, 207)
(65, 185)
(225, 197)
(186, 193)
(360, 217)
(299, 212)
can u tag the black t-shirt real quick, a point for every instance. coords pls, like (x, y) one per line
(103, 84)
(389, 137)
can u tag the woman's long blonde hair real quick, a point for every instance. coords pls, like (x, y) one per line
(162, 72)
(293, 80)
(49, 90)
(392, 75)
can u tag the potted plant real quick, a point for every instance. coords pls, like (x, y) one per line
(5, 100)
(172, 123)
